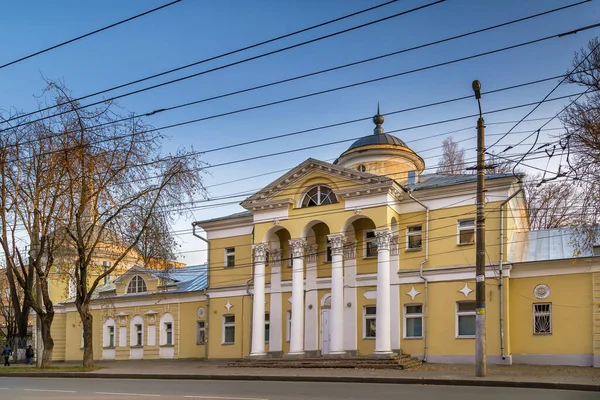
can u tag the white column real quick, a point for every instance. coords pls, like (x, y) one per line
(258, 304)
(276, 333)
(336, 330)
(394, 293)
(297, 334)
(382, 324)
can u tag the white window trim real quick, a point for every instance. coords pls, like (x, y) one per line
(136, 285)
(463, 313)
(365, 243)
(139, 343)
(413, 316)
(534, 315)
(112, 336)
(166, 325)
(409, 234)
(288, 331)
(226, 325)
(200, 329)
(459, 229)
(371, 316)
(300, 205)
(226, 253)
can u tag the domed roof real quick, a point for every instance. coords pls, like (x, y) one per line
(378, 138)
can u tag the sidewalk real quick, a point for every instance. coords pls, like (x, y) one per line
(568, 378)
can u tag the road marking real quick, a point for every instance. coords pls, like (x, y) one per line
(224, 398)
(128, 394)
(50, 390)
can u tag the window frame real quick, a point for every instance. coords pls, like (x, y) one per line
(200, 331)
(410, 234)
(227, 252)
(111, 336)
(319, 201)
(369, 317)
(464, 314)
(459, 229)
(408, 316)
(168, 333)
(139, 335)
(544, 313)
(138, 279)
(366, 243)
(226, 325)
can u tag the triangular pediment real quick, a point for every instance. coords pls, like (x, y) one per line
(267, 195)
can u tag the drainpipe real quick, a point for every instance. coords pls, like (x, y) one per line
(501, 284)
(421, 272)
(206, 295)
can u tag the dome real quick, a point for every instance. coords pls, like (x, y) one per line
(381, 154)
(380, 138)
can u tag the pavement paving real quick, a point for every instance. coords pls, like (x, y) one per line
(16, 388)
(541, 377)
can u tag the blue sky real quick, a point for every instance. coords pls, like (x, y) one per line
(193, 30)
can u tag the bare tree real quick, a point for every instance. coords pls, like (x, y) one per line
(35, 178)
(8, 330)
(453, 158)
(497, 164)
(157, 244)
(552, 204)
(582, 140)
(114, 169)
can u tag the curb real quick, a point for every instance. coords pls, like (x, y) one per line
(320, 379)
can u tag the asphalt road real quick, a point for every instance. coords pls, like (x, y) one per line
(97, 389)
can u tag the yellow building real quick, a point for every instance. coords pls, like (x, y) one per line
(369, 255)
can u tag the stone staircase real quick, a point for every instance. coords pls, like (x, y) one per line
(401, 362)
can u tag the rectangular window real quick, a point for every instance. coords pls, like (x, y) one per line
(413, 321)
(370, 322)
(465, 319)
(111, 336)
(288, 332)
(327, 255)
(414, 237)
(139, 335)
(596, 249)
(267, 328)
(169, 332)
(229, 257)
(466, 231)
(370, 244)
(200, 332)
(228, 329)
(542, 318)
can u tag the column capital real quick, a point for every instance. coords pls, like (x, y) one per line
(298, 246)
(350, 250)
(383, 238)
(337, 240)
(311, 253)
(260, 252)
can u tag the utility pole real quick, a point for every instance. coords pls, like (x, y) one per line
(480, 342)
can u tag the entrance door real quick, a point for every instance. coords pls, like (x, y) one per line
(325, 331)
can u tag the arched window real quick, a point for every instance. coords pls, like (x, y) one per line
(319, 195)
(137, 285)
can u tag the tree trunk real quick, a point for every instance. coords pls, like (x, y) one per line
(88, 349)
(46, 324)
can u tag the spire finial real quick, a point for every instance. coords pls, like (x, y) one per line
(378, 121)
